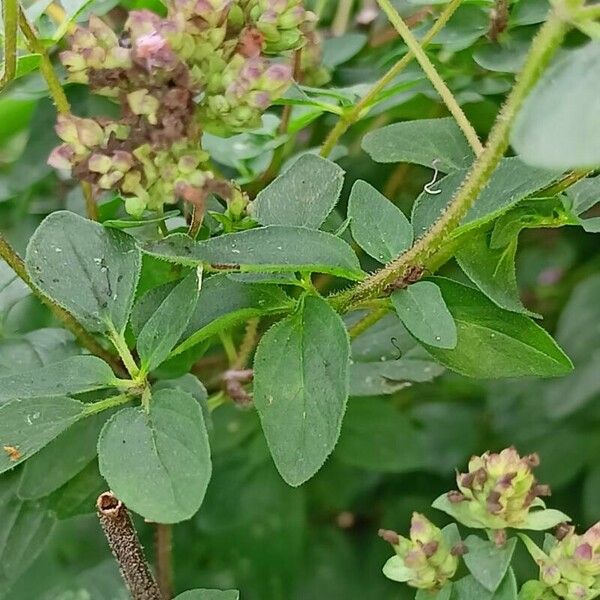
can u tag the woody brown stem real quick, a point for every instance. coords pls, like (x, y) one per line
(126, 548)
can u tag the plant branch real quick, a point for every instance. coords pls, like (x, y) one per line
(366, 322)
(102, 405)
(10, 18)
(248, 344)
(54, 86)
(542, 49)
(433, 76)
(58, 96)
(126, 548)
(359, 110)
(163, 543)
(121, 347)
(15, 262)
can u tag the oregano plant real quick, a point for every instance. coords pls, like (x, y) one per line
(272, 269)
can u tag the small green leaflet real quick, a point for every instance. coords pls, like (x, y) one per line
(493, 342)
(468, 588)
(70, 376)
(492, 270)
(275, 248)
(303, 195)
(424, 313)
(209, 595)
(301, 387)
(421, 142)
(511, 182)
(378, 226)
(488, 562)
(89, 270)
(158, 462)
(568, 95)
(164, 328)
(26, 426)
(444, 594)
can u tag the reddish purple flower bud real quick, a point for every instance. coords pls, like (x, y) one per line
(61, 157)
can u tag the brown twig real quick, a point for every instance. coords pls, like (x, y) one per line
(164, 559)
(126, 548)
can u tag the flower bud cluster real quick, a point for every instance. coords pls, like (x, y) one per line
(499, 488)
(425, 560)
(572, 568)
(203, 67)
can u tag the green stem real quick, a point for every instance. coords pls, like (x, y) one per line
(58, 96)
(54, 86)
(359, 110)
(102, 405)
(228, 346)
(121, 347)
(10, 17)
(542, 49)
(15, 262)
(433, 76)
(366, 322)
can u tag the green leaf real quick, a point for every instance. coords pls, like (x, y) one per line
(24, 529)
(62, 459)
(164, 328)
(395, 570)
(158, 462)
(301, 387)
(535, 590)
(511, 182)
(537, 519)
(377, 437)
(275, 249)
(209, 595)
(224, 302)
(568, 95)
(70, 376)
(78, 496)
(26, 426)
(421, 142)
(541, 520)
(89, 270)
(389, 376)
(493, 270)
(302, 196)
(422, 310)
(469, 588)
(338, 50)
(444, 594)
(493, 342)
(487, 562)
(378, 226)
(133, 222)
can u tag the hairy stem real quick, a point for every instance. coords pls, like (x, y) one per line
(359, 110)
(126, 548)
(15, 262)
(432, 74)
(102, 405)
(58, 96)
(542, 49)
(121, 347)
(248, 344)
(366, 322)
(163, 543)
(10, 18)
(56, 91)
